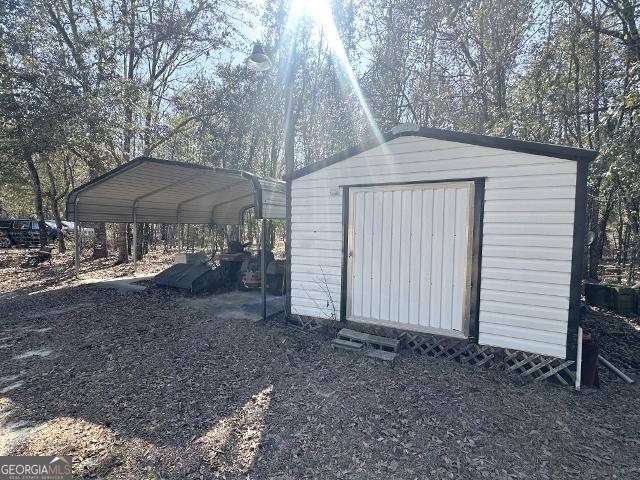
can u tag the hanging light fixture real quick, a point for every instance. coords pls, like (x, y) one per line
(258, 60)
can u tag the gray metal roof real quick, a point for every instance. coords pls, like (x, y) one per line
(162, 191)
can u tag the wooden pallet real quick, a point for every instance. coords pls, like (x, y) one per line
(376, 342)
(346, 344)
(382, 355)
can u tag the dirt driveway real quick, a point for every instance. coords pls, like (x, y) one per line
(140, 385)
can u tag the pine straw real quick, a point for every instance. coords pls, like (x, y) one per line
(141, 386)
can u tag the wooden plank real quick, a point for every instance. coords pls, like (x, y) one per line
(353, 335)
(382, 355)
(379, 341)
(345, 344)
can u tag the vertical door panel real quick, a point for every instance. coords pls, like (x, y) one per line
(367, 254)
(409, 255)
(414, 257)
(437, 232)
(386, 257)
(394, 285)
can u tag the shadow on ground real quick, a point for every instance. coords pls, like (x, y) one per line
(142, 385)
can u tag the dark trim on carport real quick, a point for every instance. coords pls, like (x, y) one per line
(577, 260)
(534, 148)
(476, 241)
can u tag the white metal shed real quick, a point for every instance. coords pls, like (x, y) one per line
(444, 233)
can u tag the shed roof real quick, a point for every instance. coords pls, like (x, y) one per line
(162, 191)
(534, 148)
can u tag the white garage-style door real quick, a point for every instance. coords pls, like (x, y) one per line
(409, 256)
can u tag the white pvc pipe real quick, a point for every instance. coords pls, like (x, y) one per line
(579, 360)
(615, 370)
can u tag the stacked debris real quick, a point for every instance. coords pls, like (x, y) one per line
(375, 346)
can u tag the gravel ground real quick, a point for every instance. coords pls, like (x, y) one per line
(138, 385)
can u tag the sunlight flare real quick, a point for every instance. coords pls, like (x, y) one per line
(319, 12)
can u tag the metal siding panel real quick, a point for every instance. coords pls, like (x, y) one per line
(553, 205)
(520, 298)
(528, 241)
(522, 343)
(445, 170)
(527, 264)
(524, 322)
(557, 290)
(552, 279)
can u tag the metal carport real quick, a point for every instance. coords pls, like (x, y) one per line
(160, 191)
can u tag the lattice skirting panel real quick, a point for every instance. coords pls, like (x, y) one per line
(540, 367)
(527, 365)
(459, 350)
(530, 366)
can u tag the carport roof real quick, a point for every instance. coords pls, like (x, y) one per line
(162, 191)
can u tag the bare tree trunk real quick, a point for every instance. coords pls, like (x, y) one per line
(37, 195)
(53, 200)
(123, 253)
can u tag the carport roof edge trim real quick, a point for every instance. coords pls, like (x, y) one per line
(139, 161)
(522, 146)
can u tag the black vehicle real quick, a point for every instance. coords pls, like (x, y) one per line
(23, 233)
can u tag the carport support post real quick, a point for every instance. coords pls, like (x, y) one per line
(263, 268)
(76, 234)
(134, 249)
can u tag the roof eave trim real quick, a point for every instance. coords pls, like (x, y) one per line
(522, 146)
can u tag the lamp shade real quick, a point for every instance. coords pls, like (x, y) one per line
(258, 60)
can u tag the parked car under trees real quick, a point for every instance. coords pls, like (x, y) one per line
(23, 233)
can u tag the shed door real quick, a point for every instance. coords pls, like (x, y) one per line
(410, 256)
